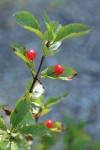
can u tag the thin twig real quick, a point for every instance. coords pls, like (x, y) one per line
(37, 74)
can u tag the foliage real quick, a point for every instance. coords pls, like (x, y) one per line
(73, 138)
(30, 107)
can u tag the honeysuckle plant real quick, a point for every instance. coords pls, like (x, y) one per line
(28, 109)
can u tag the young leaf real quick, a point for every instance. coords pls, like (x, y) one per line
(44, 111)
(21, 52)
(21, 109)
(46, 18)
(3, 126)
(68, 73)
(48, 35)
(50, 50)
(29, 22)
(40, 100)
(54, 100)
(35, 108)
(55, 26)
(52, 28)
(58, 127)
(72, 30)
(36, 130)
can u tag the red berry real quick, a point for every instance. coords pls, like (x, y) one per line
(31, 54)
(49, 123)
(58, 69)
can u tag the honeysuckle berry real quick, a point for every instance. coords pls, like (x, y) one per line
(58, 69)
(31, 54)
(49, 123)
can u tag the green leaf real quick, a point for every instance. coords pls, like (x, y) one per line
(69, 122)
(15, 143)
(96, 145)
(36, 130)
(21, 52)
(45, 49)
(27, 121)
(21, 109)
(4, 142)
(12, 146)
(54, 100)
(46, 143)
(21, 143)
(3, 126)
(28, 85)
(80, 144)
(68, 73)
(29, 22)
(81, 124)
(72, 30)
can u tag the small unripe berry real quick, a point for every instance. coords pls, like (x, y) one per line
(31, 54)
(49, 123)
(58, 69)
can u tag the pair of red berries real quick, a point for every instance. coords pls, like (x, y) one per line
(31, 54)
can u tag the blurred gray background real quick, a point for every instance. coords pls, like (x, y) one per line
(81, 53)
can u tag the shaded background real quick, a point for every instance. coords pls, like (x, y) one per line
(81, 53)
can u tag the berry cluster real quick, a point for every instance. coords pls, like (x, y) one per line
(58, 69)
(31, 55)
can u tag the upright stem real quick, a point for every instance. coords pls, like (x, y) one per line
(37, 74)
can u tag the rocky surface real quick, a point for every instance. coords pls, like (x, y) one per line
(81, 53)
